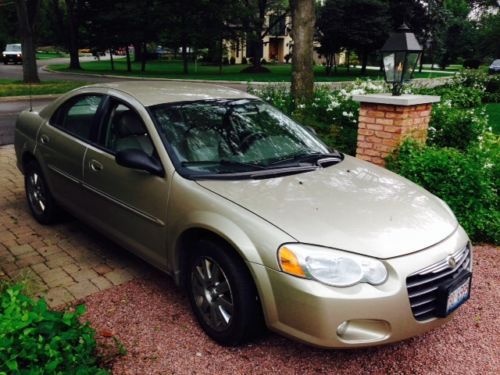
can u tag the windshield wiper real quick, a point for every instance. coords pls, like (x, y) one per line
(318, 158)
(224, 162)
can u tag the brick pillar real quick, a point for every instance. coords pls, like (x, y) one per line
(385, 121)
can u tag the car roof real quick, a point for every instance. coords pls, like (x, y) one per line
(160, 92)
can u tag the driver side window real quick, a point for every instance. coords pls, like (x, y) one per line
(123, 129)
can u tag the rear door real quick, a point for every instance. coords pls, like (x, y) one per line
(62, 142)
(131, 205)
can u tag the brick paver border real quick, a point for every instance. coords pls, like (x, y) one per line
(65, 262)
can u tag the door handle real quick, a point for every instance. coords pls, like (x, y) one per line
(44, 139)
(95, 165)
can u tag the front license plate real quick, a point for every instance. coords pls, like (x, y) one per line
(457, 296)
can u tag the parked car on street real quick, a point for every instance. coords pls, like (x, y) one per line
(249, 211)
(13, 53)
(495, 67)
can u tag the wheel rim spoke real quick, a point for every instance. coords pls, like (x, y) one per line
(222, 288)
(225, 314)
(212, 293)
(36, 193)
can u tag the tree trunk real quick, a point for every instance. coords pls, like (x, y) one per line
(110, 58)
(421, 65)
(348, 60)
(335, 63)
(303, 20)
(329, 64)
(364, 62)
(26, 19)
(137, 52)
(144, 57)
(74, 60)
(129, 65)
(185, 58)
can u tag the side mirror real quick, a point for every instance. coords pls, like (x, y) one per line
(137, 159)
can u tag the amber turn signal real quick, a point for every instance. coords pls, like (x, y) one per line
(289, 262)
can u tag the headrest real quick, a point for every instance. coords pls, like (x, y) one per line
(129, 123)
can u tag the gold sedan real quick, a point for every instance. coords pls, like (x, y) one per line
(249, 211)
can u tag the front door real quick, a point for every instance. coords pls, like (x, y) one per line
(130, 205)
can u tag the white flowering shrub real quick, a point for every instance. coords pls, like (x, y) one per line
(460, 119)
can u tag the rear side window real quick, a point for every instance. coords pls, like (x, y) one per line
(78, 115)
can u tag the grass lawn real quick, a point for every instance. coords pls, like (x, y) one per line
(173, 69)
(17, 88)
(493, 110)
(49, 55)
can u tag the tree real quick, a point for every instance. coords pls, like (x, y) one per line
(489, 34)
(253, 21)
(452, 38)
(330, 33)
(348, 30)
(366, 34)
(27, 11)
(303, 20)
(8, 23)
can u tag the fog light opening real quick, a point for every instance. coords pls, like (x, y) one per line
(363, 330)
(342, 328)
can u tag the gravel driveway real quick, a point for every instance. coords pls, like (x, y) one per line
(151, 317)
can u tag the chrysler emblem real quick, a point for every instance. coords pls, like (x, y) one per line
(452, 262)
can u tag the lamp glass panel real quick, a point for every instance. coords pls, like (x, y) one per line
(399, 66)
(389, 66)
(409, 67)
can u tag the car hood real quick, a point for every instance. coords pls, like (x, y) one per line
(354, 206)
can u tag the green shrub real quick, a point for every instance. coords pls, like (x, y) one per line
(467, 181)
(36, 340)
(456, 127)
(459, 119)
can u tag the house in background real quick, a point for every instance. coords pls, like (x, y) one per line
(277, 44)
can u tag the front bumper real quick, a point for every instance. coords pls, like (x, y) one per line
(12, 58)
(315, 313)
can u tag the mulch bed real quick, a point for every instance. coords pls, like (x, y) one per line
(153, 321)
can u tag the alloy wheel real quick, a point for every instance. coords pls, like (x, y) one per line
(212, 293)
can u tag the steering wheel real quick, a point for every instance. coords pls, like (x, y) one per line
(250, 139)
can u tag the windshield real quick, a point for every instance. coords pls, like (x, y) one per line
(13, 48)
(496, 63)
(233, 136)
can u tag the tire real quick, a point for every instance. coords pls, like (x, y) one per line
(40, 201)
(223, 295)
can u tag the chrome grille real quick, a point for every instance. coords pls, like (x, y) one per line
(423, 285)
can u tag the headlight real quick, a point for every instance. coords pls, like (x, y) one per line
(329, 266)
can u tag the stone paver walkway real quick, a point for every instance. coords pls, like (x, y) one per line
(64, 262)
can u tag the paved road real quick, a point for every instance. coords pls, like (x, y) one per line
(16, 72)
(10, 110)
(8, 115)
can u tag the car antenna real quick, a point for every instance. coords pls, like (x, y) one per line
(31, 97)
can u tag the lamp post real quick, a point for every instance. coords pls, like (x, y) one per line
(400, 55)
